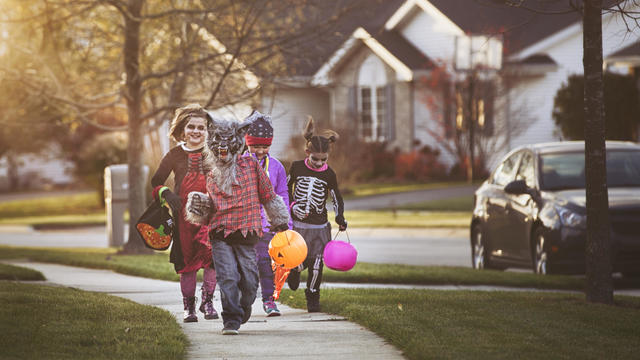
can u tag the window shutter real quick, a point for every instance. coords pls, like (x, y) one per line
(352, 103)
(489, 98)
(390, 112)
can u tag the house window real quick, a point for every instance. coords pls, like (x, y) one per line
(372, 100)
(483, 102)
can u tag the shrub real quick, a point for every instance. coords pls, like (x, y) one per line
(106, 149)
(419, 165)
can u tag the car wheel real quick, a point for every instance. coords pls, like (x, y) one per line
(539, 253)
(478, 257)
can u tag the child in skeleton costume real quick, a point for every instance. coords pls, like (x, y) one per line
(190, 250)
(258, 141)
(310, 183)
(236, 187)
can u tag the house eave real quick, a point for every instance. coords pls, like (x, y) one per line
(293, 82)
(403, 72)
(405, 9)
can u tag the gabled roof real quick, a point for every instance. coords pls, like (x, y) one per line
(629, 56)
(368, 14)
(520, 28)
(389, 46)
(629, 51)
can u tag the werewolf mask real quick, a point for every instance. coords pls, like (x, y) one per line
(226, 138)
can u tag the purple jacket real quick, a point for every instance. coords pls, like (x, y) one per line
(278, 176)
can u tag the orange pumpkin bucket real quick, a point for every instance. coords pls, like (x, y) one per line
(288, 249)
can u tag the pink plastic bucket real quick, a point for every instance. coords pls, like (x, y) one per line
(340, 255)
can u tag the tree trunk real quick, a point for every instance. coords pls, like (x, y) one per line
(599, 286)
(13, 173)
(133, 86)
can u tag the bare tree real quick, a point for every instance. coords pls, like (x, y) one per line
(151, 56)
(479, 112)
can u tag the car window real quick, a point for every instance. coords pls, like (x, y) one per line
(525, 170)
(623, 168)
(562, 171)
(566, 170)
(504, 172)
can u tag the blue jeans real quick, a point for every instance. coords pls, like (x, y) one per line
(237, 275)
(264, 266)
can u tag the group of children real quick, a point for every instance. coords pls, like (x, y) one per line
(230, 203)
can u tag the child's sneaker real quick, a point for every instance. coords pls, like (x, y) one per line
(226, 331)
(231, 328)
(270, 307)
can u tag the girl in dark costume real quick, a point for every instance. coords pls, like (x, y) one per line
(191, 250)
(311, 181)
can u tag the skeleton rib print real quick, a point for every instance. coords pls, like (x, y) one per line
(312, 192)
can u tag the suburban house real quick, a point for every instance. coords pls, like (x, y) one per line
(394, 72)
(377, 78)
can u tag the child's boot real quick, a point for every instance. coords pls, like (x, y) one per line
(206, 305)
(189, 309)
(313, 300)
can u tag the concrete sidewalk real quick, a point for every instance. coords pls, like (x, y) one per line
(294, 335)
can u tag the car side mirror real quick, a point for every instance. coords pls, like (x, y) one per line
(517, 187)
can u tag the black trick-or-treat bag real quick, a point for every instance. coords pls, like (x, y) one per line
(155, 226)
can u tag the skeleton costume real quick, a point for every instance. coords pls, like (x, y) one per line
(236, 188)
(309, 189)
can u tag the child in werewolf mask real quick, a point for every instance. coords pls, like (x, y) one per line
(236, 187)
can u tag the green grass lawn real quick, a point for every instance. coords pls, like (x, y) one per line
(86, 203)
(431, 324)
(387, 188)
(157, 266)
(85, 210)
(10, 272)
(406, 219)
(422, 323)
(459, 204)
(46, 322)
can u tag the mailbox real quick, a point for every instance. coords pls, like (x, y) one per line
(116, 197)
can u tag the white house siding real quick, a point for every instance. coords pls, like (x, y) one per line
(567, 53)
(433, 35)
(289, 111)
(39, 171)
(346, 77)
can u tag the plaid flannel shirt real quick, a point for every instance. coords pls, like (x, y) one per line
(241, 210)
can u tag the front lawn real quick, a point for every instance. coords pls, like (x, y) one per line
(433, 324)
(46, 322)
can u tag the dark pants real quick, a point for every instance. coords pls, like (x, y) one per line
(316, 240)
(237, 275)
(264, 266)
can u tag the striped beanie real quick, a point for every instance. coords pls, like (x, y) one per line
(260, 131)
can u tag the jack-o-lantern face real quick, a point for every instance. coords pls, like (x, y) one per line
(155, 238)
(288, 249)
